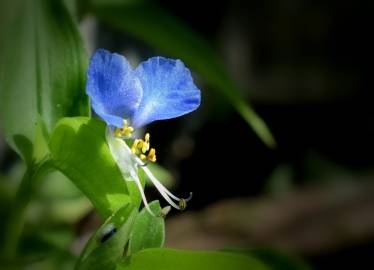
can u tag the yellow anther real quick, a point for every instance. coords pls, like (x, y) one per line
(141, 147)
(147, 137)
(135, 146)
(127, 131)
(145, 147)
(118, 132)
(152, 155)
(124, 131)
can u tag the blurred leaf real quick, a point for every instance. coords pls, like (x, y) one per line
(41, 241)
(319, 169)
(52, 211)
(280, 180)
(42, 72)
(104, 253)
(275, 259)
(14, 224)
(57, 185)
(171, 259)
(57, 200)
(72, 6)
(278, 260)
(149, 22)
(148, 231)
(46, 261)
(80, 151)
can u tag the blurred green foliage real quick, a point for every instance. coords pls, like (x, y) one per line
(42, 73)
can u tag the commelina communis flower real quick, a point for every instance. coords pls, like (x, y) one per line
(128, 99)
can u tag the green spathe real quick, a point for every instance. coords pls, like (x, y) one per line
(80, 151)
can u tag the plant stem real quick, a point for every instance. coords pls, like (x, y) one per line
(23, 196)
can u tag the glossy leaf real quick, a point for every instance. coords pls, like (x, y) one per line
(79, 150)
(149, 231)
(147, 21)
(171, 259)
(107, 245)
(42, 72)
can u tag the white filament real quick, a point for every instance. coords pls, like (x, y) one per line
(163, 190)
(128, 164)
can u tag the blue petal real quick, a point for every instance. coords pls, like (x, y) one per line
(114, 90)
(168, 91)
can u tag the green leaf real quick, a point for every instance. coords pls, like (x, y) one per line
(278, 260)
(42, 72)
(149, 22)
(107, 245)
(171, 259)
(79, 150)
(149, 231)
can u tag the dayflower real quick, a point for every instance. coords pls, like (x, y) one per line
(128, 99)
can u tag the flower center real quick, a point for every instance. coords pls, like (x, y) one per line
(142, 153)
(140, 147)
(126, 131)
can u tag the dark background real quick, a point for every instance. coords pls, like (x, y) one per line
(304, 67)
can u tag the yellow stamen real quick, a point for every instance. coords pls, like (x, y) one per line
(145, 147)
(141, 147)
(152, 155)
(125, 131)
(146, 144)
(147, 137)
(135, 146)
(118, 132)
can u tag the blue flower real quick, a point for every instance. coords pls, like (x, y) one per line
(158, 89)
(127, 99)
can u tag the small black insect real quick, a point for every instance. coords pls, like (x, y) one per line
(107, 232)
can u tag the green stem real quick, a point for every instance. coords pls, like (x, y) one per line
(23, 196)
